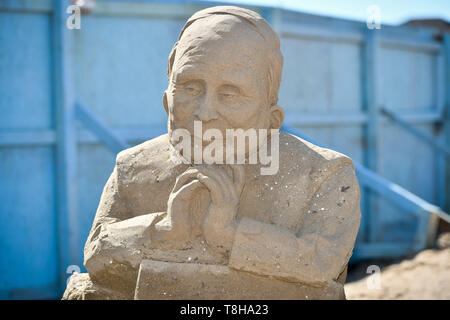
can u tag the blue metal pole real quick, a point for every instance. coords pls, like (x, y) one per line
(447, 115)
(67, 216)
(371, 104)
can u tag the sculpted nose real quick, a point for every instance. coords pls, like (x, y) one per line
(207, 109)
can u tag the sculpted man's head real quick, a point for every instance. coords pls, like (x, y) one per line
(225, 70)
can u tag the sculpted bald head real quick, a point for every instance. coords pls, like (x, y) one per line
(225, 71)
(245, 30)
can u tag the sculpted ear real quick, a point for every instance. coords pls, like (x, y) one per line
(166, 107)
(276, 117)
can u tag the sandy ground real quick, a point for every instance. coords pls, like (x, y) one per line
(423, 276)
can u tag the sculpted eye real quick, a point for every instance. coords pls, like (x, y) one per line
(192, 88)
(229, 93)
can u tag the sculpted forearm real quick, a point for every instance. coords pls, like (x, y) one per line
(219, 235)
(120, 242)
(312, 258)
(270, 250)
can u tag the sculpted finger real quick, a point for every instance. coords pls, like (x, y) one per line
(227, 183)
(186, 192)
(220, 177)
(238, 177)
(213, 187)
(183, 178)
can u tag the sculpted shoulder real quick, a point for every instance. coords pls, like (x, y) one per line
(149, 160)
(149, 151)
(146, 174)
(318, 162)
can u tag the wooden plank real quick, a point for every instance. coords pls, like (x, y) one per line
(136, 9)
(355, 118)
(321, 33)
(297, 31)
(29, 6)
(27, 138)
(69, 249)
(342, 119)
(419, 117)
(328, 119)
(411, 44)
(440, 81)
(130, 135)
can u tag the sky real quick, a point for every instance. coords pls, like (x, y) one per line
(393, 12)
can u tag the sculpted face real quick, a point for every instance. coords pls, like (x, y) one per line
(220, 77)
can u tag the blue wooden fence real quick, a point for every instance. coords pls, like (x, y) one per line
(70, 97)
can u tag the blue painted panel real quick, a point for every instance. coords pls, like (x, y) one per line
(320, 76)
(409, 162)
(408, 79)
(346, 86)
(25, 71)
(122, 77)
(95, 164)
(306, 71)
(345, 139)
(28, 239)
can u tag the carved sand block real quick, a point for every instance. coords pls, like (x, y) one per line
(160, 280)
(187, 215)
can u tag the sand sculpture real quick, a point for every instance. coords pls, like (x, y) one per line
(171, 225)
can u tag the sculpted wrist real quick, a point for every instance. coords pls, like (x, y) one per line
(220, 237)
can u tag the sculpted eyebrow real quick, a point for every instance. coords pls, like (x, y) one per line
(181, 78)
(190, 74)
(243, 88)
(187, 74)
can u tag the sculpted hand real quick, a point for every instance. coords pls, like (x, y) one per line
(175, 228)
(220, 223)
